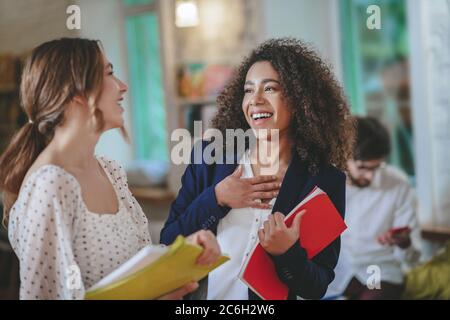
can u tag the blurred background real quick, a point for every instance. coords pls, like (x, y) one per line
(176, 55)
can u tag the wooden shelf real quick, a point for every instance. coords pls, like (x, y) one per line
(434, 233)
(154, 195)
(196, 101)
(8, 91)
(8, 126)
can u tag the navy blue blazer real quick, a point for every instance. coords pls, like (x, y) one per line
(196, 208)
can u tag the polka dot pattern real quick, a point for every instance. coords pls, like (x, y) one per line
(63, 248)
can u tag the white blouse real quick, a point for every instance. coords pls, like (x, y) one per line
(63, 248)
(389, 202)
(237, 234)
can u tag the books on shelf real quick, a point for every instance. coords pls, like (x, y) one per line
(200, 80)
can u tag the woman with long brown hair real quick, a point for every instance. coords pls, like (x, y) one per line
(70, 212)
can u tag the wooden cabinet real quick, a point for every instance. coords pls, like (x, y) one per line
(11, 115)
(11, 118)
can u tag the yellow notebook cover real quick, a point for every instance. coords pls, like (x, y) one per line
(172, 270)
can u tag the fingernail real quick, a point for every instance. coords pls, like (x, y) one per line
(194, 285)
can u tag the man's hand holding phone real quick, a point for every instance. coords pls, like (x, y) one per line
(399, 237)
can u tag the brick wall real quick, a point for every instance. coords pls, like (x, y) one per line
(27, 23)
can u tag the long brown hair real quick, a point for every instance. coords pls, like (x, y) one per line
(55, 73)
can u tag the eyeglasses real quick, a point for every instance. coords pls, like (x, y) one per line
(366, 169)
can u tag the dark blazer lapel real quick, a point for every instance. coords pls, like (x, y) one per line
(292, 189)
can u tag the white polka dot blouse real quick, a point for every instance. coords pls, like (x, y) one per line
(63, 248)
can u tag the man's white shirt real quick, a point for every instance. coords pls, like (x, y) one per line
(388, 202)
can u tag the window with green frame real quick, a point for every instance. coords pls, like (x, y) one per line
(146, 82)
(129, 3)
(376, 71)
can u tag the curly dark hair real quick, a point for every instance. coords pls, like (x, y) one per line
(322, 127)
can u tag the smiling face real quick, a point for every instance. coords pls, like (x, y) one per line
(111, 97)
(264, 105)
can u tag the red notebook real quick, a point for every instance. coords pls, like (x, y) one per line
(320, 225)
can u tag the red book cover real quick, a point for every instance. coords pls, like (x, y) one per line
(320, 225)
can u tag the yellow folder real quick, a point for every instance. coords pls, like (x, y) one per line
(172, 270)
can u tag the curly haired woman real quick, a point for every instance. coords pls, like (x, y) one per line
(282, 85)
